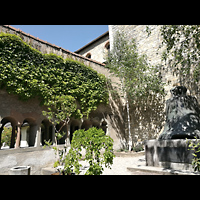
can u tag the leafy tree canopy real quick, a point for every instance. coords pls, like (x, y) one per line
(139, 79)
(182, 49)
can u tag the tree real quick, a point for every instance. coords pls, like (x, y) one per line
(93, 141)
(182, 52)
(60, 109)
(138, 78)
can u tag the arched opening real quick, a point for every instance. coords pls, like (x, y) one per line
(107, 46)
(7, 133)
(74, 126)
(28, 133)
(86, 124)
(95, 122)
(63, 131)
(46, 131)
(104, 127)
(88, 55)
(25, 131)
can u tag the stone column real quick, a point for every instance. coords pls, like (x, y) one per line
(18, 137)
(12, 143)
(38, 136)
(1, 130)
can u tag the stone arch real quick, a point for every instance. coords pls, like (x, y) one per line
(46, 131)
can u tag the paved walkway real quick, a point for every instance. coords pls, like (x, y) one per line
(120, 165)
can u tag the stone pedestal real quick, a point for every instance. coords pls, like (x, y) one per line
(172, 154)
(20, 170)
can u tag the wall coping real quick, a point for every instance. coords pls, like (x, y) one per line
(52, 45)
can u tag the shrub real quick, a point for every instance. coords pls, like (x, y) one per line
(93, 141)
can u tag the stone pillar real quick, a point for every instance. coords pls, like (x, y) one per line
(1, 130)
(18, 137)
(38, 136)
(12, 143)
(24, 137)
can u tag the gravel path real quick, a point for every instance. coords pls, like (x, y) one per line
(120, 165)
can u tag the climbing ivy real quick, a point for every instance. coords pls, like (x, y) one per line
(28, 73)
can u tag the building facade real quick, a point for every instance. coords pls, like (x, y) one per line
(97, 49)
(146, 122)
(28, 115)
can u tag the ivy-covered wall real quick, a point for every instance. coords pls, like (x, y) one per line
(28, 73)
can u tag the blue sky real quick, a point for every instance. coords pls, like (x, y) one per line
(70, 37)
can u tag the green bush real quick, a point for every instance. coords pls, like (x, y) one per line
(93, 141)
(6, 136)
(195, 147)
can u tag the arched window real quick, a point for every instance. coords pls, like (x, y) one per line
(88, 55)
(107, 46)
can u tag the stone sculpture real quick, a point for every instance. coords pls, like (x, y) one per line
(182, 116)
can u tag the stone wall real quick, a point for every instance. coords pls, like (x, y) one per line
(46, 47)
(37, 158)
(147, 120)
(148, 45)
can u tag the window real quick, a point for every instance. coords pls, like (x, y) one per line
(107, 46)
(88, 55)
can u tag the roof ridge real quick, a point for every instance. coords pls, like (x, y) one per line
(96, 39)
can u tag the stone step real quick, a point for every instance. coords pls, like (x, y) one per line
(160, 170)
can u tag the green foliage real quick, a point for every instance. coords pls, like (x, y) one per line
(28, 73)
(60, 109)
(93, 141)
(195, 147)
(6, 136)
(182, 49)
(139, 79)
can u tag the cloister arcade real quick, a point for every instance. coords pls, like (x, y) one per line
(30, 128)
(31, 133)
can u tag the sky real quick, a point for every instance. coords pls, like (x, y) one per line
(70, 37)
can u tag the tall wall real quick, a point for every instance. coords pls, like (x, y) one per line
(148, 45)
(147, 120)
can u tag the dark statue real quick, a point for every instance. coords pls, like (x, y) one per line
(182, 116)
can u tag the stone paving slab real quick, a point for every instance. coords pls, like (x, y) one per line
(160, 170)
